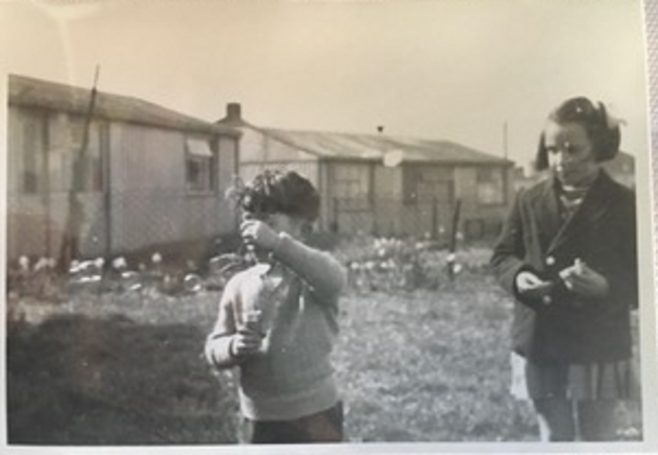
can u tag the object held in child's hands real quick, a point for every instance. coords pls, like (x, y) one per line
(259, 317)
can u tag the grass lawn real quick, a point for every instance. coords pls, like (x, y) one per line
(429, 366)
(128, 369)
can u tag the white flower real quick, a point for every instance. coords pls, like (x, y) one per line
(119, 263)
(24, 262)
(156, 258)
(75, 266)
(192, 282)
(42, 263)
(99, 263)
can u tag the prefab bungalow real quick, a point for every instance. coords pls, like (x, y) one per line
(375, 183)
(149, 176)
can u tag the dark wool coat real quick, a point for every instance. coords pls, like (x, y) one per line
(601, 233)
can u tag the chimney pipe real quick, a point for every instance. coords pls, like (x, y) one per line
(233, 112)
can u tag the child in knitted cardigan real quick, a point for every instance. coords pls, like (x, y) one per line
(278, 319)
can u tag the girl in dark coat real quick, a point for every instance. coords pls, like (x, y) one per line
(567, 254)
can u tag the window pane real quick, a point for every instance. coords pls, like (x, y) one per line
(200, 164)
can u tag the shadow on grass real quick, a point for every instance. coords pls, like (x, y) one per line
(78, 380)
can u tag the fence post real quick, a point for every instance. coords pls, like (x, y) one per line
(453, 239)
(334, 224)
(434, 218)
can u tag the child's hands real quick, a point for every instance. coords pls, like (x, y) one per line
(530, 285)
(245, 343)
(584, 281)
(259, 233)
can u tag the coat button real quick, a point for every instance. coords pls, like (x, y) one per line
(547, 300)
(550, 260)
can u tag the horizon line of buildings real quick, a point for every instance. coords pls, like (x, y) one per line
(151, 176)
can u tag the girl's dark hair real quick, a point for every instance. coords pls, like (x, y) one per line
(281, 192)
(604, 134)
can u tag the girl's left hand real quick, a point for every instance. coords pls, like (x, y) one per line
(585, 281)
(258, 233)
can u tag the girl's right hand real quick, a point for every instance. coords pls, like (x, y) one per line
(245, 343)
(530, 285)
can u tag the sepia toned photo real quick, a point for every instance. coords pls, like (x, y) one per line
(236, 225)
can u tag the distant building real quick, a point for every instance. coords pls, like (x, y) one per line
(384, 184)
(150, 176)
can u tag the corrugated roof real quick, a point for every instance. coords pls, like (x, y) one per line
(372, 147)
(31, 92)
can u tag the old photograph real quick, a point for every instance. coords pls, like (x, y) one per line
(351, 223)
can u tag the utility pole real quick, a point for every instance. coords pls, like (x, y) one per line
(70, 247)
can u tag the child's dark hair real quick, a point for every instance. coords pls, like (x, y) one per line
(602, 130)
(281, 192)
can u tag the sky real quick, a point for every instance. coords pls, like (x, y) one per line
(442, 69)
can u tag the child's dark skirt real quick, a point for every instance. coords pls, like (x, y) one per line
(593, 381)
(324, 426)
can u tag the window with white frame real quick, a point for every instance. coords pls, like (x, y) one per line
(199, 165)
(490, 185)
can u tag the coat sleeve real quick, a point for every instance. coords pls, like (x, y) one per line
(218, 342)
(507, 260)
(624, 282)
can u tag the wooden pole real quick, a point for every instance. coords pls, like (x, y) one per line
(455, 225)
(70, 243)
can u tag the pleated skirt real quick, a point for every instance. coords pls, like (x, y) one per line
(613, 380)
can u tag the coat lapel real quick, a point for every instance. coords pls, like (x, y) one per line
(593, 209)
(546, 214)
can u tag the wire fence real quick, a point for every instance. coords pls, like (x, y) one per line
(423, 219)
(38, 224)
(126, 221)
(183, 229)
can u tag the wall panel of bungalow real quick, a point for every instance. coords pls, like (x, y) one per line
(38, 202)
(151, 204)
(147, 171)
